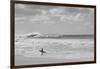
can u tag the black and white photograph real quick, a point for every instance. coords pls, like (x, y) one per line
(50, 34)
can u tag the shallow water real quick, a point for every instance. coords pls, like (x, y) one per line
(57, 51)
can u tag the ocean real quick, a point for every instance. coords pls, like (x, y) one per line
(58, 50)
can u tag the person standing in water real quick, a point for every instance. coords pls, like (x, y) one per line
(42, 51)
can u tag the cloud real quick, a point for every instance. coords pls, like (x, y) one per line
(22, 6)
(49, 14)
(56, 11)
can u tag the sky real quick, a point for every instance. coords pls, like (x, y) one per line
(53, 19)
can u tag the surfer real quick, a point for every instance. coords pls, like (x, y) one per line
(42, 51)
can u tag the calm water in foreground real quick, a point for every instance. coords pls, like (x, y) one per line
(57, 51)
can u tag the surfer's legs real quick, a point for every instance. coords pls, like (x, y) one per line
(41, 53)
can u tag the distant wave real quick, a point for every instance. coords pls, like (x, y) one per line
(56, 36)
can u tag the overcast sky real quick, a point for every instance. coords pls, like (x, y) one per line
(53, 19)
